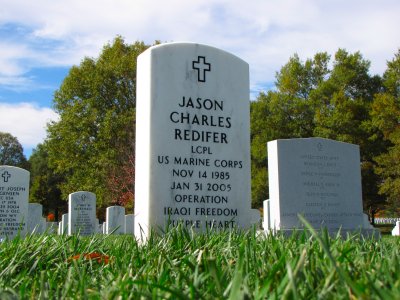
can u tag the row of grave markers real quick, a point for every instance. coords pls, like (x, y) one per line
(193, 157)
(313, 176)
(17, 216)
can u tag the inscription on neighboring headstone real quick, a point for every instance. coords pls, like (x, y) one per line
(14, 194)
(193, 139)
(318, 178)
(82, 213)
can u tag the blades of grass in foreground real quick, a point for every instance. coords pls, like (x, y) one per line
(342, 275)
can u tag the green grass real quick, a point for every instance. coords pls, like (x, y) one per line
(180, 265)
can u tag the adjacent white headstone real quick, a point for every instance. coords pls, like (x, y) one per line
(14, 193)
(115, 216)
(129, 224)
(255, 217)
(82, 213)
(100, 228)
(59, 229)
(36, 223)
(318, 178)
(192, 139)
(64, 224)
(267, 212)
(396, 229)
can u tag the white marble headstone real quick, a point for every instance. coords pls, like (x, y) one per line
(396, 229)
(115, 216)
(317, 178)
(82, 213)
(192, 139)
(64, 224)
(129, 224)
(14, 194)
(36, 223)
(267, 212)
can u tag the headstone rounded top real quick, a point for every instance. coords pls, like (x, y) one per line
(180, 45)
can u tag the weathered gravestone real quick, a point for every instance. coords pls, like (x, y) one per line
(14, 193)
(64, 224)
(36, 222)
(115, 220)
(192, 139)
(129, 224)
(319, 179)
(82, 213)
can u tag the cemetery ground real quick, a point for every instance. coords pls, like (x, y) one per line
(212, 265)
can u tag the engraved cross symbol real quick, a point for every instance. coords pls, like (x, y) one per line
(83, 197)
(6, 176)
(201, 66)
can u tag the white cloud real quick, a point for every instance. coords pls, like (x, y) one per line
(26, 121)
(263, 32)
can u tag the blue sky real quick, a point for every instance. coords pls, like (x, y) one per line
(40, 40)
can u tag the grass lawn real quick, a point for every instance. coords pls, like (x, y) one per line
(179, 265)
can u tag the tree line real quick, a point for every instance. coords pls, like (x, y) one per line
(92, 145)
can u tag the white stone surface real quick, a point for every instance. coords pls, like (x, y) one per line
(396, 229)
(64, 224)
(115, 216)
(318, 178)
(36, 223)
(104, 229)
(267, 212)
(366, 224)
(14, 194)
(59, 229)
(192, 139)
(255, 217)
(82, 213)
(130, 224)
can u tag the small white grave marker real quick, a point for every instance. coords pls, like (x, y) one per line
(36, 223)
(14, 193)
(115, 216)
(129, 224)
(82, 213)
(64, 224)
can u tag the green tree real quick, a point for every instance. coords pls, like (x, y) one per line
(11, 151)
(343, 102)
(94, 137)
(385, 115)
(45, 183)
(286, 112)
(312, 100)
